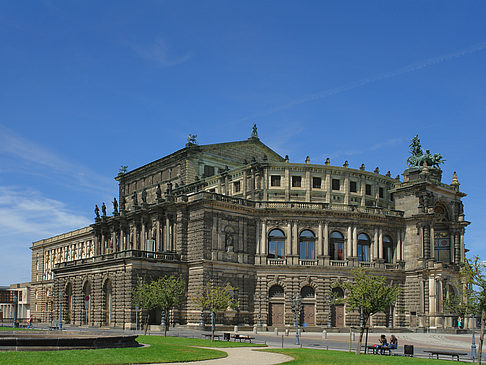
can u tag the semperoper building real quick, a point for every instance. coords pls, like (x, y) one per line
(240, 213)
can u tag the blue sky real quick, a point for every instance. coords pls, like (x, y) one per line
(86, 86)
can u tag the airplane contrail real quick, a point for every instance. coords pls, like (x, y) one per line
(366, 81)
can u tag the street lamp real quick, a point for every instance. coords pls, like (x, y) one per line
(473, 345)
(60, 309)
(296, 307)
(15, 309)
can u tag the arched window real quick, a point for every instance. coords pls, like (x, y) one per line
(276, 244)
(108, 289)
(307, 292)
(336, 247)
(387, 249)
(337, 293)
(307, 245)
(276, 291)
(69, 302)
(363, 247)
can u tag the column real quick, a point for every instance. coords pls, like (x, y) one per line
(457, 247)
(167, 234)
(349, 243)
(319, 240)
(398, 254)
(432, 242)
(375, 244)
(263, 247)
(355, 241)
(243, 185)
(295, 239)
(346, 190)
(308, 186)
(328, 186)
(426, 241)
(380, 244)
(462, 246)
(143, 241)
(265, 184)
(288, 241)
(158, 246)
(326, 239)
(287, 183)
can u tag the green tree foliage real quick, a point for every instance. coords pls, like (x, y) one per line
(217, 299)
(165, 293)
(369, 294)
(474, 277)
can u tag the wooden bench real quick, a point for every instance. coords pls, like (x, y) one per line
(209, 335)
(375, 349)
(243, 337)
(445, 353)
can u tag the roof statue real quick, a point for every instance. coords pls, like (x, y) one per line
(191, 138)
(122, 169)
(254, 132)
(419, 158)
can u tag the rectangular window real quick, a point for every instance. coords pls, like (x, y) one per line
(391, 196)
(296, 181)
(275, 180)
(381, 192)
(306, 251)
(276, 249)
(368, 189)
(208, 171)
(316, 182)
(353, 187)
(236, 186)
(335, 184)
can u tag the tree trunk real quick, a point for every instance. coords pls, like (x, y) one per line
(366, 340)
(212, 326)
(358, 346)
(481, 337)
(166, 324)
(146, 323)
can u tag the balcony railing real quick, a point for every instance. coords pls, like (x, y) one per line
(366, 264)
(338, 263)
(276, 261)
(308, 262)
(162, 256)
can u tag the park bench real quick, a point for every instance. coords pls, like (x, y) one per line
(445, 353)
(217, 336)
(242, 337)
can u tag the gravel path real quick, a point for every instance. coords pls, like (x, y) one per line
(242, 356)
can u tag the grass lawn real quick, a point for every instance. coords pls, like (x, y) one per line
(314, 356)
(162, 349)
(13, 329)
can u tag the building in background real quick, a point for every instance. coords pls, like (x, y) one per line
(239, 213)
(15, 297)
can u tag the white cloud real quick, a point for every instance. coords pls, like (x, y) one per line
(38, 160)
(26, 211)
(159, 53)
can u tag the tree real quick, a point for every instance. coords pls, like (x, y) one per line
(217, 299)
(369, 294)
(165, 293)
(142, 296)
(474, 275)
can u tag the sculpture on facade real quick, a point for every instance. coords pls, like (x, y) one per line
(115, 205)
(144, 196)
(191, 139)
(97, 211)
(418, 158)
(254, 132)
(103, 209)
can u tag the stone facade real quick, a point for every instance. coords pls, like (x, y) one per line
(239, 213)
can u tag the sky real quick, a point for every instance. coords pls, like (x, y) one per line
(88, 86)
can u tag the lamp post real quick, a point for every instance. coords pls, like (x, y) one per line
(137, 308)
(297, 302)
(473, 345)
(15, 309)
(259, 310)
(60, 309)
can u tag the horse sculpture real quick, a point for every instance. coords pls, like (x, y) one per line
(418, 158)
